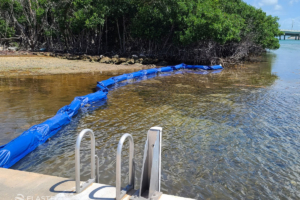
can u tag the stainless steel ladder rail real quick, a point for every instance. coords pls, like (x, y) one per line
(93, 178)
(119, 192)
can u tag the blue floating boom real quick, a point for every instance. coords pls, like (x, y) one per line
(165, 69)
(178, 67)
(149, 71)
(108, 82)
(215, 67)
(29, 140)
(120, 78)
(135, 75)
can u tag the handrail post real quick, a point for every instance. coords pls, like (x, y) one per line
(77, 160)
(119, 194)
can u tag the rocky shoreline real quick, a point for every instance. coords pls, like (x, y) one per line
(116, 59)
(29, 64)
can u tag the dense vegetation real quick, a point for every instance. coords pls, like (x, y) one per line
(187, 30)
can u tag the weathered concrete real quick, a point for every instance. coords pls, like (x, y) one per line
(20, 185)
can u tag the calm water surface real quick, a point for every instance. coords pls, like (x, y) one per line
(232, 135)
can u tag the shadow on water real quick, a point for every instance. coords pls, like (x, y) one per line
(232, 135)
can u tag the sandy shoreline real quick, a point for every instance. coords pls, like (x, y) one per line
(37, 65)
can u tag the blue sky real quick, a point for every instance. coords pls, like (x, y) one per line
(286, 10)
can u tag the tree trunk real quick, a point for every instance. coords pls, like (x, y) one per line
(119, 34)
(124, 32)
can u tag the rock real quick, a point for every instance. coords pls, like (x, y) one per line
(139, 60)
(47, 54)
(115, 60)
(123, 60)
(149, 61)
(73, 57)
(115, 56)
(83, 57)
(130, 61)
(101, 56)
(106, 60)
(94, 58)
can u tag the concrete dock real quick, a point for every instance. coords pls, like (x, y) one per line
(21, 185)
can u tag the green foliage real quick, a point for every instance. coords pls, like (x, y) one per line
(6, 31)
(178, 23)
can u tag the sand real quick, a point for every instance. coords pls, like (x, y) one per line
(37, 65)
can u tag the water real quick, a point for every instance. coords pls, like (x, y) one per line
(233, 135)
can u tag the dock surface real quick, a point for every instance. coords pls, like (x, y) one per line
(21, 185)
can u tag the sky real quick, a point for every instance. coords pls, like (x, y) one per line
(287, 10)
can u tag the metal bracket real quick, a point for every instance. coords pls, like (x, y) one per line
(151, 171)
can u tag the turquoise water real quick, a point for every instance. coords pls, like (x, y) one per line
(233, 135)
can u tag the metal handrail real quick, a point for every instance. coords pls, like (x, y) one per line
(77, 161)
(119, 193)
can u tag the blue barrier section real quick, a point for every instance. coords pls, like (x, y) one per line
(107, 82)
(71, 109)
(215, 67)
(198, 67)
(29, 140)
(178, 67)
(166, 69)
(101, 87)
(149, 71)
(120, 78)
(135, 75)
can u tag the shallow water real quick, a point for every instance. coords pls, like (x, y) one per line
(232, 135)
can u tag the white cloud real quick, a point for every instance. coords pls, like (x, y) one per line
(277, 7)
(293, 1)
